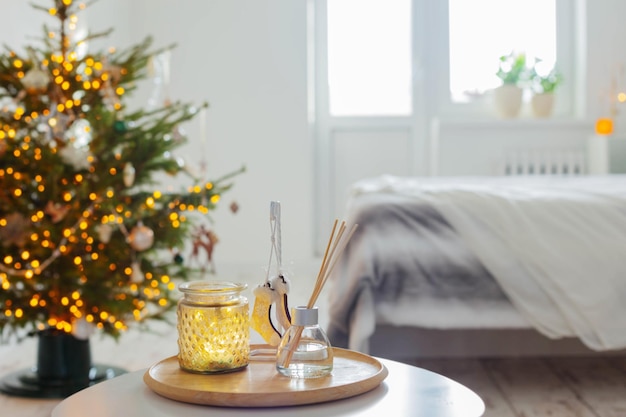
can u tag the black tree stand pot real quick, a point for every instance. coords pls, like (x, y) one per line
(63, 367)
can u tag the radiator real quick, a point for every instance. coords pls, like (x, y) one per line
(544, 162)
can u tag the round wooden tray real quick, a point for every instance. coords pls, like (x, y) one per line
(260, 385)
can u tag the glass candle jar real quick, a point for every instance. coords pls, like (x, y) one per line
(213, 327)
(304, 350)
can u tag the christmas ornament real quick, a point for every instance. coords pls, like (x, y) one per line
(79, 134)
(178, 259)
(36, 80)
(129, 174)
(141, 237)
(205, 239)
(136, 275)
(16, 231)
(82, 329)
(78, 159)
(234, 207)
(274, 291)
(120, 126)
(104, 232)
(56, 211)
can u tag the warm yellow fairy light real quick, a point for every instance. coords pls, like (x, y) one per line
(8, 259)
(52, 122)
(65, 301)
(67, 196)
(17, 192)
(25, 255)
(87, 85)
(65, 85)
(119, 91)
(52, 11)
(35, 263)
(18, 63)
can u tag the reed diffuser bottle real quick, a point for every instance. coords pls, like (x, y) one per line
(304, 350)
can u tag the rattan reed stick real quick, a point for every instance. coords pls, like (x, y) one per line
(334, 250)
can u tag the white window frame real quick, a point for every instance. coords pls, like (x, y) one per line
(430, 94)
(431, 63)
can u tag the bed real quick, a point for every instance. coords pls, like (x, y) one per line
(492, 253)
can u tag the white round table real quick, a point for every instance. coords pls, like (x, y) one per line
(407, 391)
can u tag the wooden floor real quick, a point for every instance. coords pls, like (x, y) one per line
(541, 387)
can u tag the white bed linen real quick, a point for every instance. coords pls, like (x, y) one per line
(555, 245)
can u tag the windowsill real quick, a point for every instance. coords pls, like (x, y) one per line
(486, 122)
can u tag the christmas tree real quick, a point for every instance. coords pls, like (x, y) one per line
(88, 239)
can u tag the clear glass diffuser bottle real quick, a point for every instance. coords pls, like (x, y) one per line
(304, 350)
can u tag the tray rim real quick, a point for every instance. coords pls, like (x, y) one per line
(224, 398)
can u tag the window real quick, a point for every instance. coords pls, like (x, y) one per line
(365, 75)
(478, 39)
(373, 51)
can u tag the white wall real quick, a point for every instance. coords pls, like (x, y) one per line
(248, 59)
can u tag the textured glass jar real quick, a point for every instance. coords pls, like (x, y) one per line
(304, 350)
(213, 327)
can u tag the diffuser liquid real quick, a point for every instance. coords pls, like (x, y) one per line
(312, 359)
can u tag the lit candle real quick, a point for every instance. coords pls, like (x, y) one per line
(213, 327)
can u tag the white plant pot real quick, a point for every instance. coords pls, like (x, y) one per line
(542, 104)
(508, 100)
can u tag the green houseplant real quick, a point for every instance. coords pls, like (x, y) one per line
(512, 69)
(543, 87)
(513, 72)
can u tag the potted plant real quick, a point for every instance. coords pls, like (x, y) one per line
(513, 73)
(543, 87)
